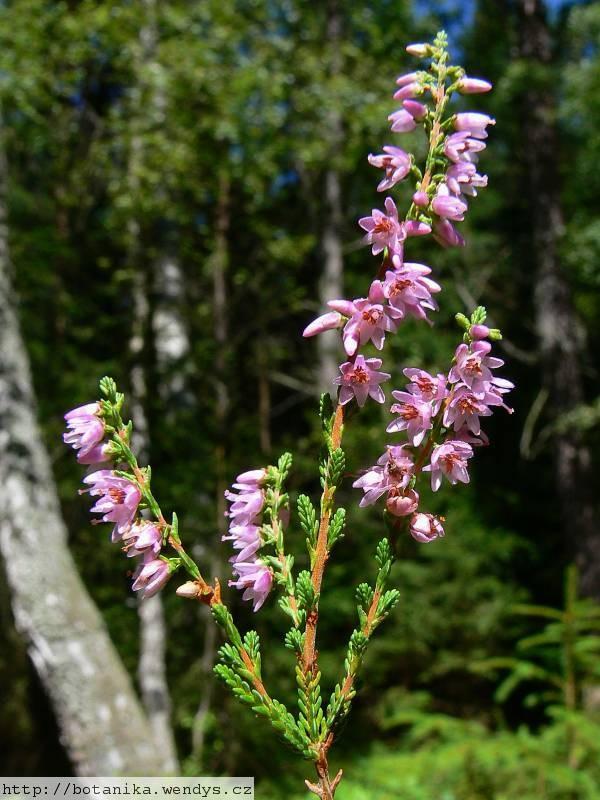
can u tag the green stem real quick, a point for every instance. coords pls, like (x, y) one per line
(120, 437)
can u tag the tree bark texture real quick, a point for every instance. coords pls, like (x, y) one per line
(152, 675)
(558, 330)
(102, 725)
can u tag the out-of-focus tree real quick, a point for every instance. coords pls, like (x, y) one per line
(93, 699)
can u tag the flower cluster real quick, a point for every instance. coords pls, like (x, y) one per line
(253, 576)
(441, 198)
(119, 496)
(404, 289)
(440, 416)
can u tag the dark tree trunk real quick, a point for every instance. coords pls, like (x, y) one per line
(558, 331)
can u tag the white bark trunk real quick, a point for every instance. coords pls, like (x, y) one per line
(100, 719)
(171, 340)
(152, 675)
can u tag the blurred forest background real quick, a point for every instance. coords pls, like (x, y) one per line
(179, 188)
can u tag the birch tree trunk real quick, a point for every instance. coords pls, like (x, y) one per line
(152, 675)
(558, 329)
(170, 333)
(102, 725)
(332, 279)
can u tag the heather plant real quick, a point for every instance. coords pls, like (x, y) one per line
(435, 426)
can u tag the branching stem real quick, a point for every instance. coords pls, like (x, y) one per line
(321, 551)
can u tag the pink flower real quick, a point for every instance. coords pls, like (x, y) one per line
(244, 534)
(413, 227)
(408, 77)
(473, 86)
(464, 435)
(409, 290)
(150, 577)
(393, 471)
(405, 119)
(446, 234)
(426, 387)
(472, 366)
(402, 121)
(252, 477)
(420, 199)
(461, 147)
(447, 206)
(499, 386)
(402, 504)
(408, 91)
(369, 319)
(464, 409)
(96, 455)
(462, 178)
(414, 416)
(326, 322)
(118, 499)
(245, 505)
(449, 459)
(384, 230)
(85, 431)
(396, 164)
(474, 123)
(417, 110)
(361, 380)
(425, 527)
(246, 539)
(256, 579)
(479, 331)
(141, 538)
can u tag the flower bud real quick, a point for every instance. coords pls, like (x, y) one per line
(474, 123)
(189, 590)
(402, 121)
(479, 331)
(402, 505)
(473, 86)
(409, 77)
(495, 334)
(446, 234)
(326, 322)
(420, 199)
(408, 91)
(449, 207)
(417, 110)
(252, 476)
(414, 227)
(419, 49)
(425, 527)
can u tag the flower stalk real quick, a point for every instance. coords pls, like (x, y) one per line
(437, 417)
